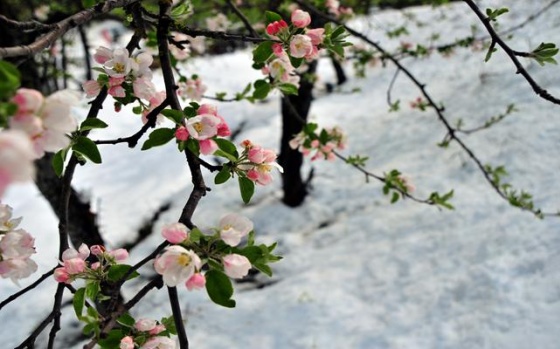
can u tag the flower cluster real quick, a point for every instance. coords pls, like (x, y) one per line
(319, 146)
(124, 76)
(16, 247)
(257, 162)
(419, 103)
(75, 265)
(147, 334)
(181, 264)
(298, 41)
(334, 8)
(204, 127)
(46, 121)
(191, 88)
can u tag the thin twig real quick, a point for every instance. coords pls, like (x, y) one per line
(27, 289)
(243, 19)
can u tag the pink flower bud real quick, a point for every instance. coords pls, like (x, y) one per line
(119, 254)
(61, 275)
(182, 133)
(96, 250)
(74, 265)
(207, 109)
(197, 281)
(175, 233)
(300, 19)
(159, 328)
(127, 343)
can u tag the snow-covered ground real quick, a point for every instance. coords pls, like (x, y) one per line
(359, 272)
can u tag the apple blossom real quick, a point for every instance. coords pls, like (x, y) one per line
(208, 146)
(203, 126)
(119, 65)
(177, 265)
(17, 244)
(300, 19)
(118, 255)
(16, 158)
(197, 281)
(91, 88)
(102, 55)
(145, 325)
(159, 342)
(157, 329)
(301, 46)
(127, 343)
(316, 35)
(175, 233)
(143, 88)
(62, 275)
(233, 227)
(236, 266)
(218, 23)
(6, 221)
(277, 27)
(16, 269)
(191, 89)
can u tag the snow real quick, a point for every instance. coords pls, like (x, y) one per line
(357, 271)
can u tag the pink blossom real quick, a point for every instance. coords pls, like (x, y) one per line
(278, 49)
(119, 255)
(276, 27)
(316, 35)
(260, 175)
(301, 46)
(208, 146)
(175, 233)
(191, 89)
(197, 281)
(127, 343)
(259, 155)
(61, 275)
(159, 342)
(6, 221)
(157, 329)
(181, 133)
(102, 55)
(97, 250)
(16, 158)
(140, 65)
(28, 101)
(207, 109)
(144, 88)
(119, 65)
(82, 253)
(218, 23)
(74, 266)
(203, 126)
(236, 266)
(17, 244)
(300, 19)
(177, 265)
(16, 269)
(178, 53)
(155, 101)
(91, 88)
(233, 227)
(145, 325)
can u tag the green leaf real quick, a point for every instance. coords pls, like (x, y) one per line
(223, 176)
(112, 340)
(126, 320)
(176, 116)
(159, 137)
(195, 235)
(85, 146)
(247, 188)
(263, 268)
(272, 17)
(88, 3)
(253, 253)
(92, 123)
(92, 289)
(262, 88)
(118, 271)
(79, 301)
(227, 147)
(219, 288)
(262, 52)
(288, 89)
(9, 78)
(58, 161)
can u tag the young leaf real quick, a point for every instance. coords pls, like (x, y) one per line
(223, 176)
(159, 137)
(85, 146)
(58, 162)
(92, 123)
(176, 116)
(262, 52)
(219, 288)
(79, 301)
(126, 320)
(272, 17)
(9, 78)
(227, 147)
(247, 188)
(118, 271)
